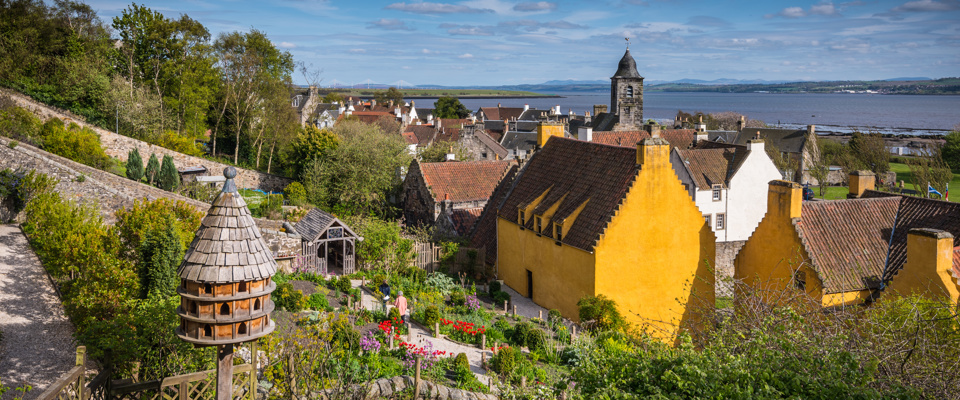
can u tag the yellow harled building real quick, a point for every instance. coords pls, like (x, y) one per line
(582, 219)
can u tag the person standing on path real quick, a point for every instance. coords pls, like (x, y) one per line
(401, 305)
(385, 290)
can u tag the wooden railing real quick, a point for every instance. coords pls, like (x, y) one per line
(71, 385)
(194, 386)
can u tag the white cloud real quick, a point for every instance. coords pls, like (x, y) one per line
(391, 24)
(535, 6)
(286, 45)
(823, 9)
(435, 8)
(789, 12)
(357, 51)
(927, 5)
(465, 56)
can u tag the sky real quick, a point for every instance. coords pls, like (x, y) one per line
(500, 42)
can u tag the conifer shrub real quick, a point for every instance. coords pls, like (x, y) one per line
(494, 287)
(600, 313)
(457, 298)
(295, 193)
(169, 179)
(160, 255)
(506, 361)
(134, 165)
(343, 284)
(152, 171)
(536, 339)
(521, 333)
(431, 316)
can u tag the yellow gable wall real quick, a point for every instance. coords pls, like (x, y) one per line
(655, 257)
(561, 274)
(927, 271)
(774, 253)
(769, 258)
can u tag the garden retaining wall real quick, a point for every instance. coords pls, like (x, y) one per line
(387, 387)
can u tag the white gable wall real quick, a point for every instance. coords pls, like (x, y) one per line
(748, 193)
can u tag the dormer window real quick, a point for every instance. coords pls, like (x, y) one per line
(539, 224)
(717, 193)
(558, 232)
(521, 218)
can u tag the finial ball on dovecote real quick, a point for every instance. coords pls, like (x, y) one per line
(229, 172)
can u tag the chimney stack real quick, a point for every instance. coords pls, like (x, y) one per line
(811, 129)
(742, 123)
(599, 108)
(755, 145)
(653, 151)
(526, 107)
(701, 127)
(861, 181)
(784, 200)
(585, 133)
(653, 129)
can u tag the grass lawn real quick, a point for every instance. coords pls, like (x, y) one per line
(903, 174)
(831, 192)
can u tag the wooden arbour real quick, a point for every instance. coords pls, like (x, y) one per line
(328, 243)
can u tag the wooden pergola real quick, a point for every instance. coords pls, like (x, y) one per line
(327, 243)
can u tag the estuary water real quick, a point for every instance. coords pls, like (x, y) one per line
(831, 113)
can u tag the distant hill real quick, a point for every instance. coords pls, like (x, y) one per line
(907, 79)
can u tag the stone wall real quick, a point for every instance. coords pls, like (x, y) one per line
(119, 146)
(388, 388)
(726, 253)
(108, 191)
(837, 178)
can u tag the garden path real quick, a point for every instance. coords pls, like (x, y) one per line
(37, 346)
(421, 336)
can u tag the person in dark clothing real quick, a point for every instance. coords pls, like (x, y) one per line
(385, 289)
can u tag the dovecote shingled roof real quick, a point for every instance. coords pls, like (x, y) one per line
(463, 180)
(847, 240)
(228, 246)
(713, 166)
(572, 172)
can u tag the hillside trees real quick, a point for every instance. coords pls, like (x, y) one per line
(450, 107)
(951, 149)
(134, 165)
(384, 97)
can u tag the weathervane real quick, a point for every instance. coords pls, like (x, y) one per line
(628, 42)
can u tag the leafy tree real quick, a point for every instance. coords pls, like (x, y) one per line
(871, 151)
(384, 97)
(295, 193)
(134, 165)
(602, 311)
(951, 149)
(311, 144)
(929, 168)
(785, 162)
(160, 254)
(169, 178)
(135, 222)
(78, 144)
(360, 174)
(152, 172)
(450, 107)
(437, 152)
(278, 122)
(333, 97)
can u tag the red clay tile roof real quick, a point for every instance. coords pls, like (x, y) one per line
(425, 134)
(580, 171)
(502, 113)
(678, 138)
(484, 234)
(495, 135)
(454, 122)
(371, 117)
(449, 135)
(464, 219)
(917, 212)
(464, 180)
(410, 137)
(847, 240)
(713, 166)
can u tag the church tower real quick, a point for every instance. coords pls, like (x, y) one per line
(626, 94)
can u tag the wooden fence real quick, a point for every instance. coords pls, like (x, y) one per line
(194, 386)
(429, 256)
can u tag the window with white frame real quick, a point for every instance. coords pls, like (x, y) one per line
(721, 220)
(717, 193)
(706, 217)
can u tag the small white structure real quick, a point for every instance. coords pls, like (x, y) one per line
(729, 185)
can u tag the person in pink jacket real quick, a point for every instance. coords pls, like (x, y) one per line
(401, 304)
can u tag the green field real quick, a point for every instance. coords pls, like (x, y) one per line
(441, 92)
(903, 174)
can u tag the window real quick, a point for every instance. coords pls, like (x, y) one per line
(720, 221)
(630, 91)
(523, 220)
(225, 309)
(800, 280)
(717, 193)
(256, 304)
(706, 217)
(539, 225)
(207, 331)
(242, 287)
(558, 232)
(242, 328)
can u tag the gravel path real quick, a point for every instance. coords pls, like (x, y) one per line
(37, 345)
(421, 336)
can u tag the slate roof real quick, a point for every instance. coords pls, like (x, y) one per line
(492, 144)
(313, 224)
(917, 212)
(484, 232)
(787, 140)
(424, 134)
(228, 246)
(604, 121)
(463, 180)
(627, 68)
(678, 138)
(847, 240)
(464, 219)
(520, 140)
(713, 166)
(574, 171)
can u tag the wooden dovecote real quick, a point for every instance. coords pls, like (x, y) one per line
(225, 277)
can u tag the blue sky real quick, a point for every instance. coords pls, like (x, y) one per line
(494, 42)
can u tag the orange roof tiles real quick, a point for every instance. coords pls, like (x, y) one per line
(464, 180)
(464, 219)
(678, 138)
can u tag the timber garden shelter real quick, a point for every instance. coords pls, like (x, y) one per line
(328, 244)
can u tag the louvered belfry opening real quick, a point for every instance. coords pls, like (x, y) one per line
(226, 276)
